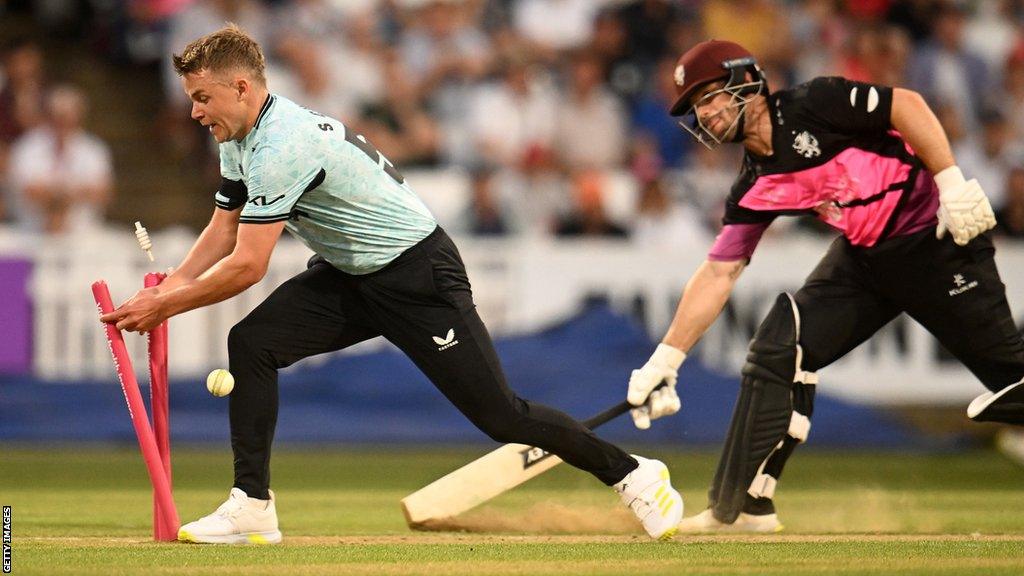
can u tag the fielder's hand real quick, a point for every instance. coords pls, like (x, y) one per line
(653, 404)
(964, 209)
(140, 313)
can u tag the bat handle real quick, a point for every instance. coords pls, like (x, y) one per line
(611, 413)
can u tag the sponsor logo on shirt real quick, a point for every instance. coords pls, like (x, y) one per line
(262, 200)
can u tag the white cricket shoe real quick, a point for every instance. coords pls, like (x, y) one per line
(239, 520)
(648, 492)
(748, 523)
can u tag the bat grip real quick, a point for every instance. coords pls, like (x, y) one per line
(612, 413)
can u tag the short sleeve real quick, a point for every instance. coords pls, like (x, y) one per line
(230, 163)
(737, 242)
(277, 179)
(847, 106)
(231, 195)
(737, 214)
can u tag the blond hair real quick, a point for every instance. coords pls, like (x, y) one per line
(226, 50)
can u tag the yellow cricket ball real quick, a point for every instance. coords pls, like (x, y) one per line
(220, 382)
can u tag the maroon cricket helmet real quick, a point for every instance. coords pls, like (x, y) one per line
(710, 61)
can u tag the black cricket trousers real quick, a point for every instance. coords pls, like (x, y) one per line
(953, 291)
(423, 304)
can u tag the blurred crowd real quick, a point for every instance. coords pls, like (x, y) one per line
(554, 110)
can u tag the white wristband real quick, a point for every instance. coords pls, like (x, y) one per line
(949, 178)
(668, 356)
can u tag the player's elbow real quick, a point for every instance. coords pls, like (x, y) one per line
(725, 271)
(248, 271)
(906, 105)
(254, 273)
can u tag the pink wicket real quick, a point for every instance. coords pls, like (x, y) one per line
(156, 465)
(159, 405)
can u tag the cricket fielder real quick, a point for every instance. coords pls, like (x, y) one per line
(383, 268)
(874, 163)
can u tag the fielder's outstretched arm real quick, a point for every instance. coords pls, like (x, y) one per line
(215, 242)
(244, 267)
(703, 299)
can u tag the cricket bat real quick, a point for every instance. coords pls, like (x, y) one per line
(486, 477)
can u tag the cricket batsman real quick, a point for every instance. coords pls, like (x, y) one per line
(874, 163)
(383, 267)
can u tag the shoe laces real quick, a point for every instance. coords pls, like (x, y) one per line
(231, 507)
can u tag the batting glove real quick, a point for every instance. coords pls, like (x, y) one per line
(650, 403)
(964, 209)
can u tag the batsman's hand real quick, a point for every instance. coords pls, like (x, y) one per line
(141, 313)
(652, 402)
(964, 210)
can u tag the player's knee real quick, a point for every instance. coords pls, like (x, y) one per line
(504, 425)
(243, 340)
(772, 355)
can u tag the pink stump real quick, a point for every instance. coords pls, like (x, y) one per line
(137, 411)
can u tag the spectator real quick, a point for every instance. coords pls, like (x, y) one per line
(399, 125)
(661, 222)
(533, 194)
(821, 34)
(310, 43)
(591, 126)
(514, 116)
(879, 55)
(61, 176)
(914, 16)
(990, 159)
(555, 26)
(21, 102)
(651, 119)
(21, 94)
(610, 43)
(444, 54)
(943, 70)
(952, 122)
(759, 24)
(363, 66)
(706, 182)
(588, 217)
(485, 217)
(1010, 97)
(648, 25)
(992, 33)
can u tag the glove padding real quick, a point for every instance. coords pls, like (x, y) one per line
(652, 402)
(964, 210)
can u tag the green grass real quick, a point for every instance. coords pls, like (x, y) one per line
(87, 511)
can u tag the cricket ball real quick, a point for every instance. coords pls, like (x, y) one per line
(220, 382)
